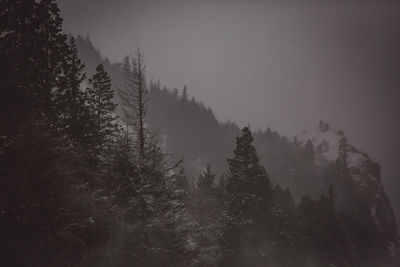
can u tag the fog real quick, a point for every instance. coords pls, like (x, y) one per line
(282, 64)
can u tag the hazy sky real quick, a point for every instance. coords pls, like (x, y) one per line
(283, 64)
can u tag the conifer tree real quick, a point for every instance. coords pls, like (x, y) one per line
(100, 100)
(342, 181)
(126, 67)
(343, 153)
(206, 182)
(69, 98)
(320, 226)
(206, 197)
(205, 207)
(284, 213)
(184, 94)
(32, 49)
(309, 152)
(247, 223)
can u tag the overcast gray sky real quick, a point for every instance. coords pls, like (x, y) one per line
(283, 64)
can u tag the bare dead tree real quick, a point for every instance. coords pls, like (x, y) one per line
(134, 98)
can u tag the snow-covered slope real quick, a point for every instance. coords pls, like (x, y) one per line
(326, 142)
(363, 172)
(324, 139)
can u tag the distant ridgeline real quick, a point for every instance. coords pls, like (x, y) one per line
(308, 165)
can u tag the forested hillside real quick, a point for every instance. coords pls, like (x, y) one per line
(101, 167)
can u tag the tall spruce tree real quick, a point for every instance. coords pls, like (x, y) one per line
(32, 49)
(206, 182)
(205, 207)
(285, 224)
(100, 100)
(309, 152)
(206, 197)
(72, 113)
(246, 235)
(343, 149)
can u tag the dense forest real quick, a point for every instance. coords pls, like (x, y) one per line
(101, 167)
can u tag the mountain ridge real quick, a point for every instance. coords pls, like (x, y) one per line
(364, 173)
(190, 130)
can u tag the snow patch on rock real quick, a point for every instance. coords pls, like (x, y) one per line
(363, 171)
(326, 144)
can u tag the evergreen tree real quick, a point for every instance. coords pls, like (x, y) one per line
(126, 67)
(99, 98)
(206, 182)
(220, 186)
(246, 235)
(341, 179)
(184, 93)
(309, 152)
(32, 49)
(322, 232)
(205, 207)
(343, 153)
(69, 98)
(206, 197)
(285, 220)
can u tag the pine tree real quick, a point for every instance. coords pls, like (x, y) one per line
(205, 207)
(246, 234)
(320, 226)
(309, 152)
(126, 67)
(343, 153)
(247, 180)
(284, 210)
(342, 181)
(206, 182)
(206, 196)
(184, 94)
(32, 50)
(99, 96)
(72, 113)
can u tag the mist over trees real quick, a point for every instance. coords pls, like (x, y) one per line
(87, 177)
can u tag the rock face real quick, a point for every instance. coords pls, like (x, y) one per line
(363, 180)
